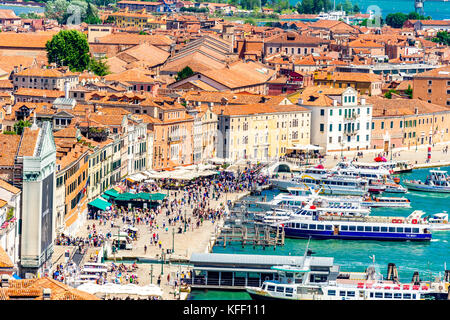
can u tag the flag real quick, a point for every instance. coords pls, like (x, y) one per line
(85, 186)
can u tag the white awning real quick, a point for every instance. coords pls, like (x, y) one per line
(307, 147)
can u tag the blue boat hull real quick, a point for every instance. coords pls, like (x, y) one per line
(343, 235)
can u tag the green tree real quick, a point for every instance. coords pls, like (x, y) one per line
(356, 8)
(396, 20)
(389, 93)
(347, 6)
(442, 37)
(185, 73)
(250, 21)
(409, 91)
(69, 48)
(99, 67)
(56, 10)
(20, 125)
(91, 14)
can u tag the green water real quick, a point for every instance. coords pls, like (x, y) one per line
(426, 258)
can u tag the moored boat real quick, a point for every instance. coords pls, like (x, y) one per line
(437, 181)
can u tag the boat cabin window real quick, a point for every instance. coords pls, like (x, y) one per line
(378, 294)
(384, 229)
(376, 229)
(360, 228)
(304, 226)
(320, 227)
(344, 228)
(270, 288)
(289, 291)
(408, 230)
(328, 227)
(407, 296)
(342, 293)
(331, 292)
(280, 289)
(371, 294)
(350, 293)
(397, 295)
(351, 228)
(312, 227)
(400, 230)
(264, 287)
(391, 229)
(297, 225)
(388, 295)
(368, 229)
(415, 230)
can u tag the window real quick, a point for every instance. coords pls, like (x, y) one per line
(342, 293)
(331, 292)
(352, 228)
(304, 226)
(400, 230)
(328, 227)
(270, 288)
(312, 227)
(384, 229)
(280, 289)
(331, 112)
(378, 294)
(430, 82)
(360, 228)
(322, 112)
(407, 230)
(368, 229)
(331, 127)
(388, 295)
(391, 229)
(397, 295)
(429, 90)
(350, 293)
(415, 230)
(289, 290)
(344, 228)
(320, 227)
(322, 126)
(407, 296)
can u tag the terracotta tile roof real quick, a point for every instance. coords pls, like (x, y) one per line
(39, 93)
(293, 37)
(34, 288)
(145, 52)
(42, 72)
(361, 43)
(443, 72)
(402, 107)
(435, 22)
(316, 95)
(6, 84)
(132, 76)
(8, 187)
(8, 14)
(148, 119)
(28, 143)
(68, 132)
(241, 74)
(251, 109)
(5, 260)
(8, 62)
(133, 38)
(25, 40)
(347, 76)
(8, 146)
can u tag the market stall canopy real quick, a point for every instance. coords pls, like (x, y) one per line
(112, 192)
(101, 204)
(137, 177)
(141, 196)
(307, 147)
(118, 289)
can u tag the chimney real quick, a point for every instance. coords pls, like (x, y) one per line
(66, 89)
(384, 112)
(95, 107)
(300, 101)
(416, 110)
(46, 294)
(363, 101)
(335, 103)
(5, 281)
(16, 69)
(8, 109)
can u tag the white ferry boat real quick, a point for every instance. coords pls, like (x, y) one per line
(386, 202)
(331, 184)
(437, 181)
(312, 223)
(308, 282)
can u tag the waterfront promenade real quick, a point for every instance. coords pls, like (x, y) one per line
(183, 244)
(417, 157)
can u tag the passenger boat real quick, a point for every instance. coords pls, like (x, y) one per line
(439, 221)
(437, 181)
(310, 222)
(283, 215)
(389, 202)
(376, 187)
(307, 281)
(393, 187)
(331, 184)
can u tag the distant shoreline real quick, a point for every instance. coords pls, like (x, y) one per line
(23, 4)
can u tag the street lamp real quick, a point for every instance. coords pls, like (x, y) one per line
(162, 261)
(185, 220)
(173, 239)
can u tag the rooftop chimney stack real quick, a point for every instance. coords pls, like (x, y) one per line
(66, 89)
(5, 281)
(363, 101)
(46, 294)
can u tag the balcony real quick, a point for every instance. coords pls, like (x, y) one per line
(174, 139)
(351, 117)
(351, 132)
